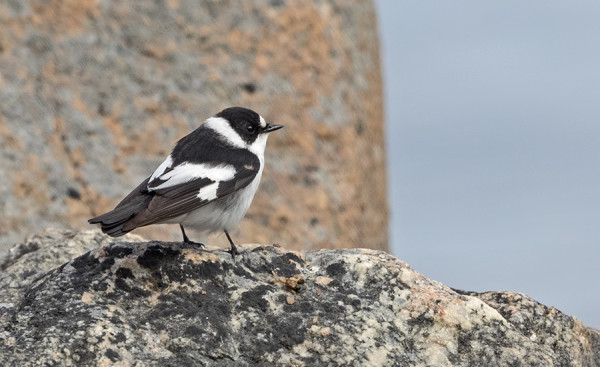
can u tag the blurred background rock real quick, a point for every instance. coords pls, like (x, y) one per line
(94, 94)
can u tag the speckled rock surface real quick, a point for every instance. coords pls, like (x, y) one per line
(94, 94)
(43, 252)
(161, 304)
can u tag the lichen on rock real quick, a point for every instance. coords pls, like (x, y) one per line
(129, 302)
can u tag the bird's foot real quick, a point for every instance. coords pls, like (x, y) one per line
(199, 244)
(233, 251)
(187, 241)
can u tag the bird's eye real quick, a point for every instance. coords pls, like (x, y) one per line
(251, 129)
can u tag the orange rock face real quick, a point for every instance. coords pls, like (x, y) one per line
(94, 94)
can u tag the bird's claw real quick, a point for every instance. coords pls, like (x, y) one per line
(199, 244)
(233, 251)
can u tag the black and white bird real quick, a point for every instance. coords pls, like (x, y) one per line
(206, 183)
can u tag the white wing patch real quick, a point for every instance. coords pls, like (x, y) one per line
(187, 172)
(161, 169)
(209, 192)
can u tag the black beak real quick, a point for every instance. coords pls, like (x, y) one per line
(270, 128)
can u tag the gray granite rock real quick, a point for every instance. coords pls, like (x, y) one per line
(165, 304)
(41, 253)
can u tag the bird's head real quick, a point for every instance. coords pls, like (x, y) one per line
(242, 128)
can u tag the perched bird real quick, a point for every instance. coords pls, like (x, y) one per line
(207, 182)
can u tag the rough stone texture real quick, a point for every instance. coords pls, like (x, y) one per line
(44, 252)
(163, 304)
(94, 94)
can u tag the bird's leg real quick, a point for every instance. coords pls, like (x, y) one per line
(187, 240)
(233, 251)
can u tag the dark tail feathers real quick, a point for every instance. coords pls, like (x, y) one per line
(112, 222)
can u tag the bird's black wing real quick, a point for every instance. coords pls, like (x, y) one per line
(184, 188)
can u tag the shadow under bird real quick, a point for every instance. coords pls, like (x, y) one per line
(206, 183)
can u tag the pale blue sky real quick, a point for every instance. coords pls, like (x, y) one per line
(493, 109)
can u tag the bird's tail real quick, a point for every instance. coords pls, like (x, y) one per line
(112, 222)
